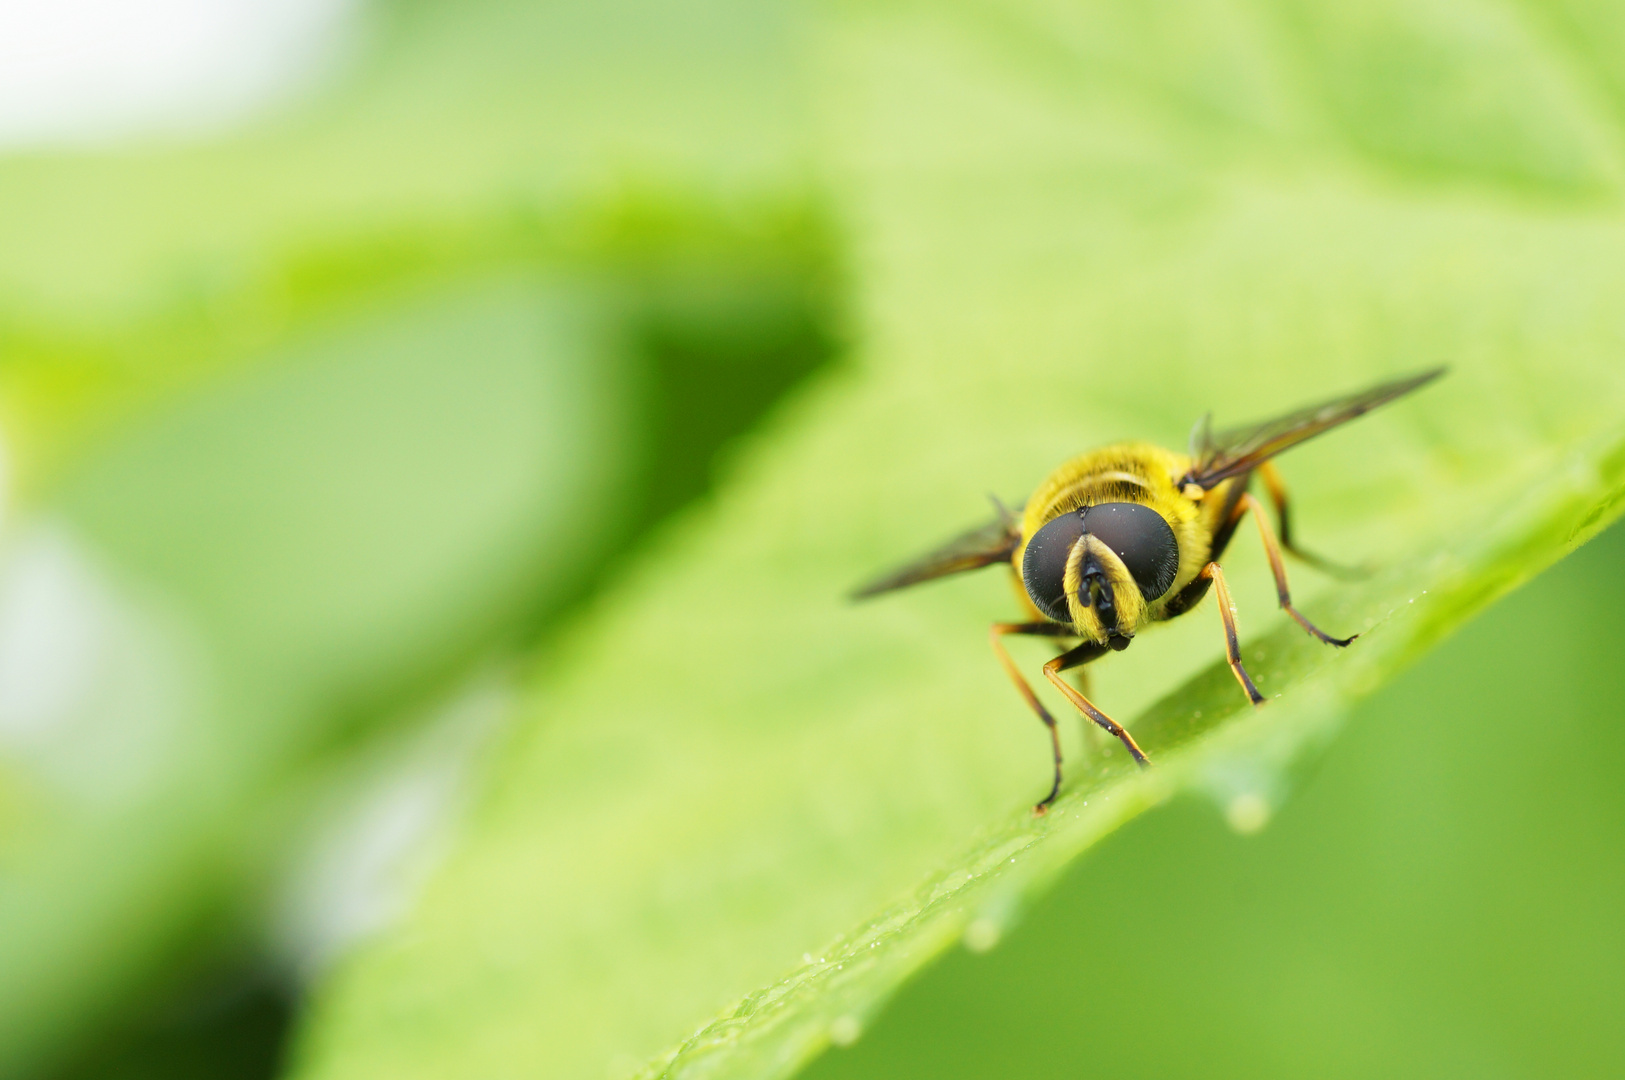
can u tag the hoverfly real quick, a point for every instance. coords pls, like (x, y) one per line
(1131, 534)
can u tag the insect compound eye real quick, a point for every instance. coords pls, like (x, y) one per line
(1043, 565)
(1142, 538)
(1139, 535)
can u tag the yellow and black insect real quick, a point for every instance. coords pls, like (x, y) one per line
(1131, 534)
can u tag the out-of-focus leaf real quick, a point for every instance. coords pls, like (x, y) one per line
(742, 799)
(213, 598)
(469, 133)
(289, 396)
(461, 110)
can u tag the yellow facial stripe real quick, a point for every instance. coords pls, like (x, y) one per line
(1130, 602)
(1072, 585)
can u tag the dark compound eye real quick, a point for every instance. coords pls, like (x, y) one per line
(1142, 538)
(1138, 534)
(1043, 565)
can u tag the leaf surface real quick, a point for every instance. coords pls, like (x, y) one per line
(743, 811)
(247, 578)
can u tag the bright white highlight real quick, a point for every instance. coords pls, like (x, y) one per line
(76, 72)
(373, 850)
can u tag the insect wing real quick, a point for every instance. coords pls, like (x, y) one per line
(994, 542)
(1218, 456)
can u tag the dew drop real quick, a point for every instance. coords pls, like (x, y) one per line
(1247, 813)
(981, 935)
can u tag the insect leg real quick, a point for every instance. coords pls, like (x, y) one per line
(1279, 570)
(1084, 653)
(1283, 518)
(1097, 736)
(1229, 516)
(1232, 645)
(1044, 629)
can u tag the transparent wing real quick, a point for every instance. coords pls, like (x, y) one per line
(1217, 456)
(987, 544)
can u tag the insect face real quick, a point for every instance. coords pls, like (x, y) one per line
(1100, 566)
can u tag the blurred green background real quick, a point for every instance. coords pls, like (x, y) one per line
(437, 436)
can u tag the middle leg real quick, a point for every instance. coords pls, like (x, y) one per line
(995, 635)
(1283, 518)
(1282, 592)
(1232, 641)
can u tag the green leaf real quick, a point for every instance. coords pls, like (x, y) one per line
(456, 111)
(466, 136)
(257, 579)
(306, 419)
(744, 811)
(1384, 924)
(248, 577)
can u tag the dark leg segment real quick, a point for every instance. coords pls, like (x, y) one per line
(1188, 597)
(1279, 570)
(1283, 517)
(1229, 516)
(1044, 630)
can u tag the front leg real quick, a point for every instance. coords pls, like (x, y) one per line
(1044, 629)
(1084, 653)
